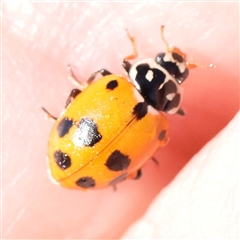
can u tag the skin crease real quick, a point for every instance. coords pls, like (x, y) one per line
(40, 39)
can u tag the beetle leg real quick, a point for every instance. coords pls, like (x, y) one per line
(135, 175)
(72, 95)
(103, 72)
(49, 115)
(155, 160)
(72, 77)
(180, 112)
(126, 64)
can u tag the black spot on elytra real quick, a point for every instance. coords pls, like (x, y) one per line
(117, 161)
(62, 160)
(86, 182)
(140, 110)
(112, 84)
(162, 135)
(177, 57)
(118, 179)
(64, 126)
(87, 132)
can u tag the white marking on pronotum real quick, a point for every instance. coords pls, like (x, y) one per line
(170, 96)
(149, 75)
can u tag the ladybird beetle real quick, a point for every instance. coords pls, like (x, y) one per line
(114, 124)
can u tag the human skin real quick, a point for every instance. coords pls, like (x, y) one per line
(40, 39)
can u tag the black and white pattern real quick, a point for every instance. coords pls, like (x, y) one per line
(158, 88)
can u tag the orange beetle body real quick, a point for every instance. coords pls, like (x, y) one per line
(108, 131)
(105, 135)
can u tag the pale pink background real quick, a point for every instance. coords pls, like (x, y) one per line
(39, 40)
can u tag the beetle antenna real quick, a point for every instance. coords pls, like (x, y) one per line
(163, 38)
